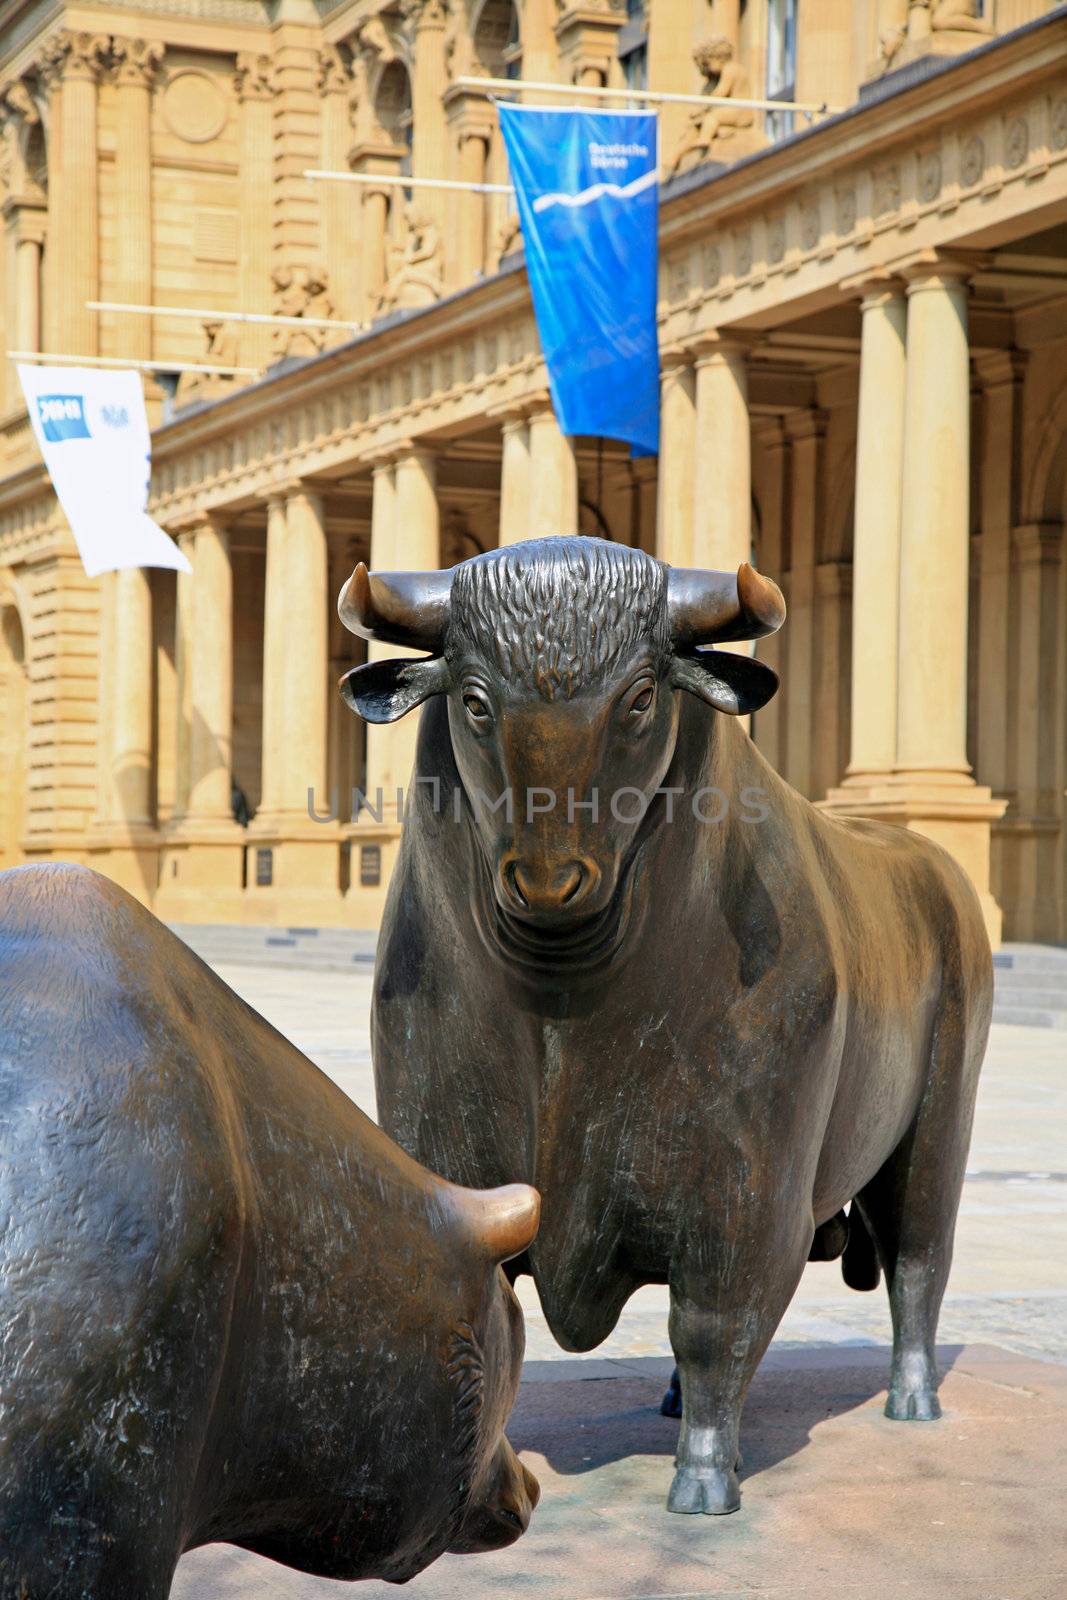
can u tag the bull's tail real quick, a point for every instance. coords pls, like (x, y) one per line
(859, 1263)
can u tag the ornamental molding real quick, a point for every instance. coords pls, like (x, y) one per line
(137, 62)
(253, 77)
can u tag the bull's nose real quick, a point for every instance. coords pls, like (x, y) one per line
(540, 887)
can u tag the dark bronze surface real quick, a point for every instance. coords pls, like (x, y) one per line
(230, 1307)
(701, 1041)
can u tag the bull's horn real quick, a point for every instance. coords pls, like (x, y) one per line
(715, 607)
(501, 1222)
(409, 608)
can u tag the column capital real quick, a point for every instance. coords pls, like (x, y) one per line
(939, 269)
(723, 345)
(74, 54)
(510, 412)
(873, 288)
(253, 77)
(674, 358)
(137, 61)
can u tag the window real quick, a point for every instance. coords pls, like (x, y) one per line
(781, 64)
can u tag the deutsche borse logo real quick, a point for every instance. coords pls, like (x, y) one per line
(62, 417)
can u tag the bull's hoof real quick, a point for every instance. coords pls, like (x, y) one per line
(913, 1405)
(706, 1490)
(671, 1404)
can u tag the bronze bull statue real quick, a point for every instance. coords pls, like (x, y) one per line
(622, 960)
(232, 1309)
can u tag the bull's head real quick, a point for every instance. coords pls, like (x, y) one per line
(561, 659)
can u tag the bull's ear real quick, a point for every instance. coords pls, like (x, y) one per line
(734, 684)
(385, 691)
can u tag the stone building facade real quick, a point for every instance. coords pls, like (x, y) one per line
(863, 327)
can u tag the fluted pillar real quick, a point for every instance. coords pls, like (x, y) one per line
(75, 58)
(670, 64)
(429, 82)
(183, 720)
(272, 758)
(471, 212)
(337, 203)
(677, 458)
(553, 477)
(254, 86)
(28, 288)
(515, 479)
(372, 248)
(138, 63)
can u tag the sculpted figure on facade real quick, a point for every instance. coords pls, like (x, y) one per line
(415, 266)
(716, 130)
(300, 292)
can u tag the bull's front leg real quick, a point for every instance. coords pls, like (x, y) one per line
(720, 1325)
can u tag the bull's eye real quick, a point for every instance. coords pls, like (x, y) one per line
(477, 708)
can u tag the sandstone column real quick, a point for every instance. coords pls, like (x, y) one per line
(770, 722)
(539, 52)
(1000, 374)
(77, 58)
(337, 201)
(429, 82)
(253, 81)
(515, 479)
(138, 63)
(553, 477)
(876, 546)
(201, 863)
(806, 430)
(274, 659)
(405, 536)
(1037, 819)
(470, 244)
(372, 250)
(123, 842)
(932, 703)
(670, 65)
(210, 644)
(722, 472)
(305, 648)
(28, 290)
(677, 465)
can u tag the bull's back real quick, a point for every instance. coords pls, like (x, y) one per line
(122, 1217)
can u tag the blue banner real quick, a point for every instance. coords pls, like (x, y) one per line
(588, 196)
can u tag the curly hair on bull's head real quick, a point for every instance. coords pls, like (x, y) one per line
(558, 613)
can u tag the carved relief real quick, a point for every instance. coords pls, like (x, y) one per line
(809, 225)
(194, 107)
(1059, 125)
(743, 254)
(846, 210)
(414, 276)
(1016, 143)
(716, 132)
(886, 193)
(712, 263)
(929, 176)
(300, 292)
(972, 160)
(775, 240)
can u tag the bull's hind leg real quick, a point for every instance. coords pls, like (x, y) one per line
(910, 1209)
(723, 1317)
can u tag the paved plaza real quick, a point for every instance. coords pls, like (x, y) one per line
(837, 1501)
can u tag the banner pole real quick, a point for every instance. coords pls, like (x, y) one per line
(131, 364)
(387, 180)
(808, 108)
(210, 314)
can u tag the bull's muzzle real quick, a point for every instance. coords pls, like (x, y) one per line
(540, 889)
(504, 1515)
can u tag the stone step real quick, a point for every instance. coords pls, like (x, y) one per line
(1027, 1017)
(1034, 991)
(1017, 958)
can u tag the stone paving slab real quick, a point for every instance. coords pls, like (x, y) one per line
(838, 1501)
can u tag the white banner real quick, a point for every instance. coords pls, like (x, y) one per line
(92, 430)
